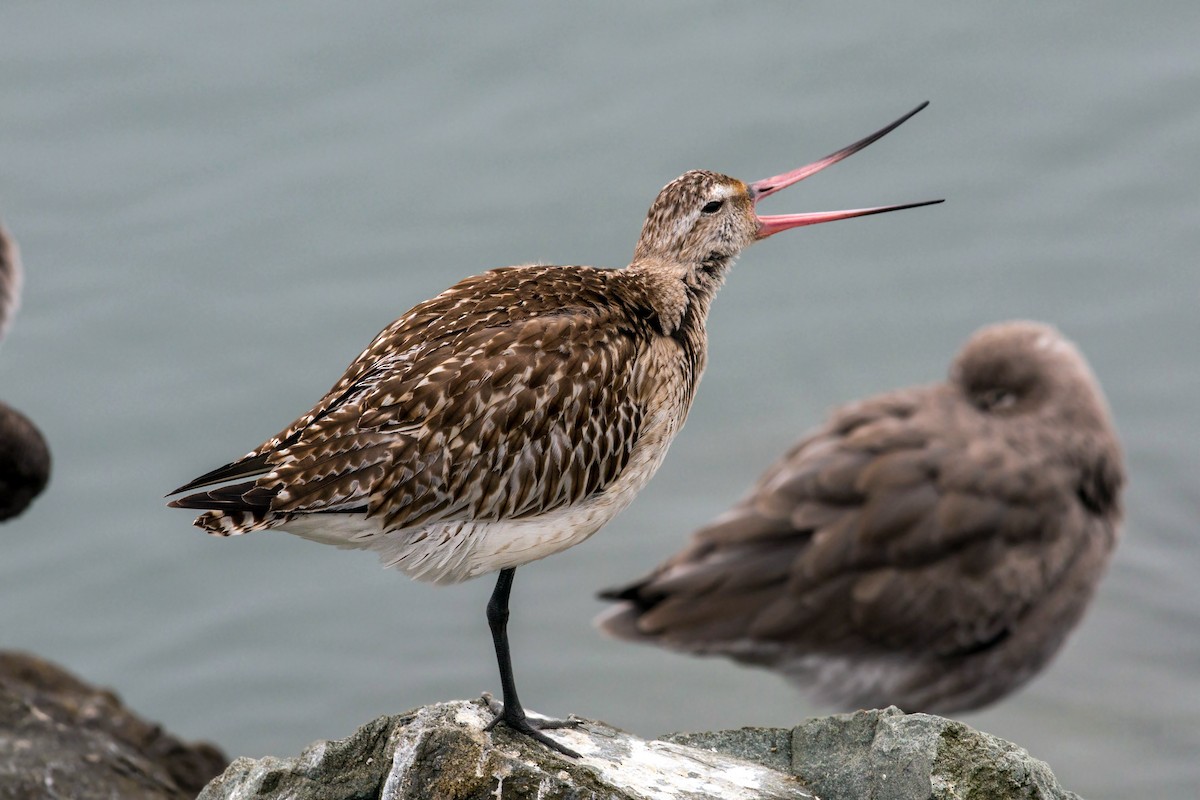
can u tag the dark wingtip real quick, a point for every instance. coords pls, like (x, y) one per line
(243, 468)
(233, 497)
(213, 476)
(633, 594)
(202, 501)
(612, 594)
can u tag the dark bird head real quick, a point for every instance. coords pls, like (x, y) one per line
(24, 462)
(1028, 374)
(1029, 368)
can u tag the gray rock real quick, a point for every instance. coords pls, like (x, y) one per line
(770, 747)
(890, 755)
(63, 738)
(442, 751)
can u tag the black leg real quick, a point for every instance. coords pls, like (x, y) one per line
(513, 715)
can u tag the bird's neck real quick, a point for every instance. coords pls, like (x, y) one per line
(680, 293)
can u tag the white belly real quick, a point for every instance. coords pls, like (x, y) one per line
(454, 551)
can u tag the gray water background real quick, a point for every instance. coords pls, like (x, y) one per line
(220, 204)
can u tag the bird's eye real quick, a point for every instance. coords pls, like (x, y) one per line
(712, 207)
(996, 400)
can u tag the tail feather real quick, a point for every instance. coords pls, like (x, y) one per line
(234, 509)
(235, 523)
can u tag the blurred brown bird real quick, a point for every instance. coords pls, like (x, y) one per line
(24, 455)
(930, 548)
(514, 414)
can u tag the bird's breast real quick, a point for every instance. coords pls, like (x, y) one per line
(453, 551)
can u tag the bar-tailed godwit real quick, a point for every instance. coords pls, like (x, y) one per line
(514, 414)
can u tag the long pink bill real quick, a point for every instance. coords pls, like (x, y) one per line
(769, 186)
(774, 223)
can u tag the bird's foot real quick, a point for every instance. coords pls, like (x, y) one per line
(531, 727)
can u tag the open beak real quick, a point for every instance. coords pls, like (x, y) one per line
(772, 224)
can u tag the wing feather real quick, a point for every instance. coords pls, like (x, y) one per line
(860, 536)
(496, 399)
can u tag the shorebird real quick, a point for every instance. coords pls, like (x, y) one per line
(929, 548)
(24, 456)
(514, 414)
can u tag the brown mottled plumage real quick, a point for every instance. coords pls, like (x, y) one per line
(24, 456)
(929, 548)
(10, 280)
(514, 414)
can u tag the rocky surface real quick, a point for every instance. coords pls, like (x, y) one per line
(890, 755)
(63, 738)
(442, 751)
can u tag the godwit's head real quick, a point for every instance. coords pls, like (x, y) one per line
(702, 220)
